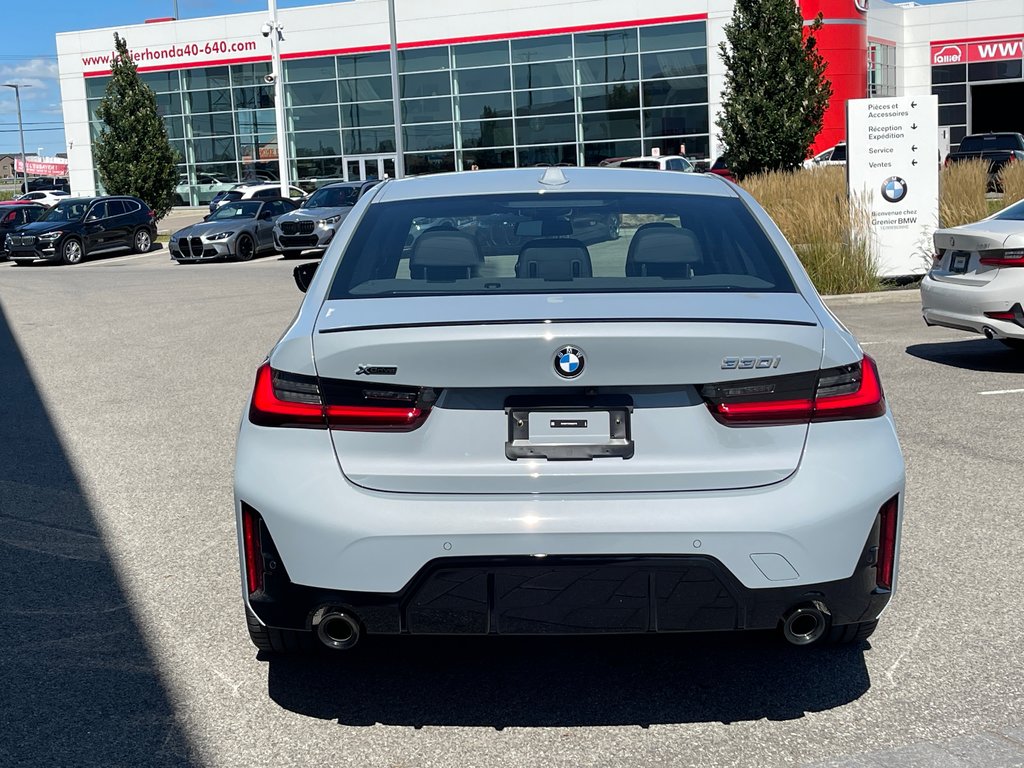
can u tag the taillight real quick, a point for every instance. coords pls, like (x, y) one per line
(1014, 314)
(1010, 257)
(885, 566)
(283, 399)
(252, 549)
(937, 257)
(847, 392)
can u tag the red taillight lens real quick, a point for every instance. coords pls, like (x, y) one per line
(252, 550)
(282, 406)
(282, 399)
(1010, 257)
(885, 566)
(848, 392)
(1000, 315)
(842, 396)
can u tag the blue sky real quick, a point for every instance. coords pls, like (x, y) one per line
(29, 54)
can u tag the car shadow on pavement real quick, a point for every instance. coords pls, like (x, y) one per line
(503, 682)
(972, 354)
(80, 687)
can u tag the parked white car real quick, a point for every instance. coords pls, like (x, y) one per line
(977, 281)
(255, 192)
(660, 163)
(832, 156)
(44, 197)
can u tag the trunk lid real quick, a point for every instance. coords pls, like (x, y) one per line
(644, 361)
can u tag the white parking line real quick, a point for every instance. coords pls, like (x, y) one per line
(1003, 392)
(119, 259)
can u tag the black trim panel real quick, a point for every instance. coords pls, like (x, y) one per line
(581, 320)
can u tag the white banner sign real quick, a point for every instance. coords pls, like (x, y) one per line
(893, 161)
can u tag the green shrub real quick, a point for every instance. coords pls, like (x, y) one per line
(830, 234)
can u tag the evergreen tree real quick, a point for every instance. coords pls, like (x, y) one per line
(775, 87)
(132, 153)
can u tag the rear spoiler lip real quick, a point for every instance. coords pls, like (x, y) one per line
(565, 321)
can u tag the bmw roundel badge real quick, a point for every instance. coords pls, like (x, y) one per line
(569, 362)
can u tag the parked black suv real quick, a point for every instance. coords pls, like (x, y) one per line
(14, 216)
(45, 183)
(85, 226)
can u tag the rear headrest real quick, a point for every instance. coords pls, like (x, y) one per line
(442, 248)
(444, 254)
(663, 251)
(554, 259)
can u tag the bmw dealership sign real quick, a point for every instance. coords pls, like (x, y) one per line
(893, 165)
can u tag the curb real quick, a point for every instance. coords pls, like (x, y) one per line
(875, 297)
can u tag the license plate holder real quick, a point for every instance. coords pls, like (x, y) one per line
(958, 262)
(569, 434)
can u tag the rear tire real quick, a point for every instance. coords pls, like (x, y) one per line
(142, 241)
(279, 640)
(850, 634)
(1017, 345)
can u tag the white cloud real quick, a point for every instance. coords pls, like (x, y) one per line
(30, 69)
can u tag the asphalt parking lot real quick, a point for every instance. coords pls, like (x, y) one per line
(123, 638)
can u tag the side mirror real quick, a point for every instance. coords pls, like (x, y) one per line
(303, 274)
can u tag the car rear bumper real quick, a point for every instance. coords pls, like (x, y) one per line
(766, 545)
(574, 595)
(963, 307)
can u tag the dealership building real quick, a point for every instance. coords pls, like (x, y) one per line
(500, 84)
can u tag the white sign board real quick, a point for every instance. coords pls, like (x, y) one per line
(893, 162)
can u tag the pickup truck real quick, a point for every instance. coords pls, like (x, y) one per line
(997, 148)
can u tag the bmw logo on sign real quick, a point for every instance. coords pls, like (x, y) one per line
(894, 189)
(569, 362)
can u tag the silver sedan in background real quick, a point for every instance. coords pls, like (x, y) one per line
(239, 231)
(977, 281)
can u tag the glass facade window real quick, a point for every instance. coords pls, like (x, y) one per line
(316, 143)
(483, 80)
(420, 137)
(485, 106)
(546, 130)
(367, 114)
(364, 64)
(566, 98)
(427, 110)
(365, 89)
(480, 54)
(547, 75)
(881, 69)
(423, 59)
(426, 84)
(616, 41)
(611, 69)
(485, 133)
(607, 97)
(674, 63)
(556, 48)
(545, 102)
(300, 70)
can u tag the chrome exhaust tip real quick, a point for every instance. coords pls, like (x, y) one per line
(805, 624)
(338, 630)
(989, 332)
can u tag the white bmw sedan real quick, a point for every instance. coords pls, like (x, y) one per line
(977, 282)
(564, 400)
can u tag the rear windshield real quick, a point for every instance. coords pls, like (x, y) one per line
(989, 143)
(558, 243)
(1014, 213)
(650, 164)
(333, 197)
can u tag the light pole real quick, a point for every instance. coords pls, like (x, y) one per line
(21, 131)
(273, 29)
(396, 104)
